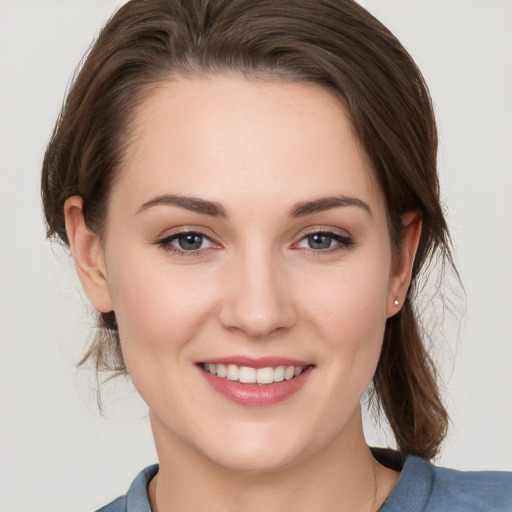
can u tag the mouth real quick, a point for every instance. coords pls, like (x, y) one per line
(256, 383)
(249, 375)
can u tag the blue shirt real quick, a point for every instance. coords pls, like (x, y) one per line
(421, 487)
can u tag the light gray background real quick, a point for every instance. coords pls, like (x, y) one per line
(57, 453)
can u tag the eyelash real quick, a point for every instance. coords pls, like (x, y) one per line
(343, 242)
(166, 243)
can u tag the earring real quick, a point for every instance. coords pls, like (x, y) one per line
(396, 302)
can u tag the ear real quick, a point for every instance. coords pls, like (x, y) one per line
(401, 273)
(88, 256)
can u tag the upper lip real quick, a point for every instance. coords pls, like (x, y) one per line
(256, 362)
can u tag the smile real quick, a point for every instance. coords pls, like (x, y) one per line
(258, 382)
(249, 375)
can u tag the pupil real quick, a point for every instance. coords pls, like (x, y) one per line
(319, 241)
(190, 242)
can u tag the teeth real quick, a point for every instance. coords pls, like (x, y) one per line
(279, 374)
(212, 368)
(248, 375)
(232, 372)
(265, 375)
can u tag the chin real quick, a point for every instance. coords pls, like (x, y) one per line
(260, 453)
(252, 462)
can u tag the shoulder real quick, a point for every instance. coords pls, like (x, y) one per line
(423, 487)
(471, 490)
(136, 499)
(118, 505)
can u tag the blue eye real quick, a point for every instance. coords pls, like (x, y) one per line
(319, 241)
(189, 241)
(185, 242)
(325, 241)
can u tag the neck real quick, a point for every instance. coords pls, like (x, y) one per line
(342, 476)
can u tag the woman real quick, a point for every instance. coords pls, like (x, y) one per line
(249, 192)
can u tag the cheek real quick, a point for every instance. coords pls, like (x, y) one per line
(158, 307)
(354, 301)
(350, 316)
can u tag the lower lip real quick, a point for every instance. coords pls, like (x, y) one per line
(256, 395)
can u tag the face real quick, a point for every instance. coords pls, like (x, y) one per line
(247, 241)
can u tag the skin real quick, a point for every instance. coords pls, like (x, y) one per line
(256, 287)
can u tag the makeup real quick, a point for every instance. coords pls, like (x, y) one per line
(255, 382)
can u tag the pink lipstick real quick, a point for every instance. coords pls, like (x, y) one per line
(255, 382)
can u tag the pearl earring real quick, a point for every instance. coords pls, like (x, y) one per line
(396, 302)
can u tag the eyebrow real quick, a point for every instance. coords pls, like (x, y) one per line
(326, 203)
(193, 204)
(215, 209)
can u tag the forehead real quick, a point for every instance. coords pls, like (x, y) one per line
(226, 138)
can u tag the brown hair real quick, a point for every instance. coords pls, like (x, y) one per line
(333, 43)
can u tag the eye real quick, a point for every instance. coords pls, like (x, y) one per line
(186, 242)
(325, 241)
(189, 241)
(319, 241)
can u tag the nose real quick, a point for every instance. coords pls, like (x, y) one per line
(257, 298)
